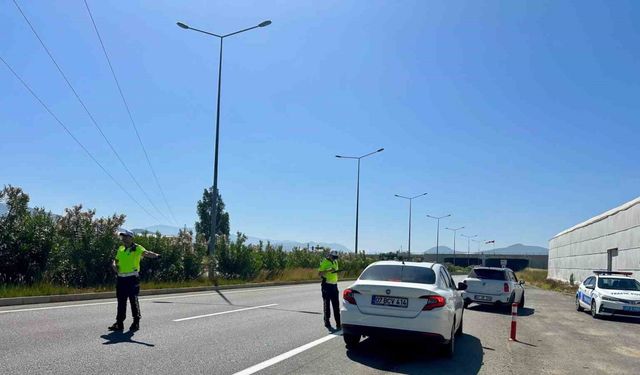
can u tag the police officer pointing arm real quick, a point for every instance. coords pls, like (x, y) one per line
(127, 265)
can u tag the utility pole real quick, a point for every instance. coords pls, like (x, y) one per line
(454, 230)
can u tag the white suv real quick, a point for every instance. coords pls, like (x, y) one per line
(405, 299)
(493, 286)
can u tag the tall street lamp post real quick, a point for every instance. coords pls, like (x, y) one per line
(468, 246)
(410, 199)
(438, 233)
(454, 230)
(358, 187)
(214, 200)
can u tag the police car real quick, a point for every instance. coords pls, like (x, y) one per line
(609, 293)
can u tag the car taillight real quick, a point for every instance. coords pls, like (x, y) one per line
(348, 295)
(433, 302)
(506, 287)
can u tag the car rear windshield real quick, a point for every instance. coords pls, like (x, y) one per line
(618, 284)
(407, 274)
(485, 273)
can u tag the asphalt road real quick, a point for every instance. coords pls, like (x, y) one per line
(279, 330)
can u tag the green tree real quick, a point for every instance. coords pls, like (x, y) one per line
(26, 238)
(203, 225)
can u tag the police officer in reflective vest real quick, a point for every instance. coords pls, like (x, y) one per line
(127, 265)
(329, 272)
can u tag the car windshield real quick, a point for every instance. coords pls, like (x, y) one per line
(407, 274)
(618, 284)
(486, 273)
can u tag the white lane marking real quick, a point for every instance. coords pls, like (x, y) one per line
(57, 307)
(270, 362)
(156, 298)
(224, 312)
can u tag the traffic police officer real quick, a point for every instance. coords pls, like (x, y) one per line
(329, 272)
(127, 265)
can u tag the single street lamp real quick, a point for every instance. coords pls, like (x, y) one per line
(454, 230)
(410, 199)
(214, 200)
(358, 187)
(468, 246)
(438, 233)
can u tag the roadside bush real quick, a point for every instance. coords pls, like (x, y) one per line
(26, 239)
(85, 248)
(237, 260)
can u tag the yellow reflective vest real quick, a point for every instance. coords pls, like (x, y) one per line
(128, 260)
(327, 265)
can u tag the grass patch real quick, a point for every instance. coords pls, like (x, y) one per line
(45, 289)
(538, 278)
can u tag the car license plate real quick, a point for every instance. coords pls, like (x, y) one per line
(390, 301)
(631, 308)
(482, 298)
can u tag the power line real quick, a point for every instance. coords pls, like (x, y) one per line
(95, 123)
(74, 137)
(133, 123)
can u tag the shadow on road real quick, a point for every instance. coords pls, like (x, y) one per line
(621, 319)
(419, 358)
(120, 337)
(502, 310)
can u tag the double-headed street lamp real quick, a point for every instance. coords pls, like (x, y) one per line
(214, 200)
(468, 246)
(454, 230)
(410, 199)
(438, 233)
(358, 187)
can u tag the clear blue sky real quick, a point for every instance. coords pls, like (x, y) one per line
(519, 118)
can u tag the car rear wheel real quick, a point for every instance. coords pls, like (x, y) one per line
(594, 312)
(351, 341)
(578, 307)
(448, 348)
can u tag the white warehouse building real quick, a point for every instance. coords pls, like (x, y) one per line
(608, 241)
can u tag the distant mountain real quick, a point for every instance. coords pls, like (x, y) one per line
(520, 249)
(516, 249)
(166, 230)
(288, 245)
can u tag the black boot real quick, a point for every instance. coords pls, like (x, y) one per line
(117, 326)
(135, 326)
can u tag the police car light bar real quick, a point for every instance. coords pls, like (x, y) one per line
(605, 272)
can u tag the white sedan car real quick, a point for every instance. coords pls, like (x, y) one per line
(403, 299)
(609, 293)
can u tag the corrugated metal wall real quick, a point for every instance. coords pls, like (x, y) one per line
(584, 249)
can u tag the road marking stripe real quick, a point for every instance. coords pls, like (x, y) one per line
(200, 294)
(224, 312)
(57, 307)
(270, 362)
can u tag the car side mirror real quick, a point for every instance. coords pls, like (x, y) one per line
(589, 286)
(521, 282)
(462, 286)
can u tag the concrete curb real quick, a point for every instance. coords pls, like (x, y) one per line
(147, 292)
